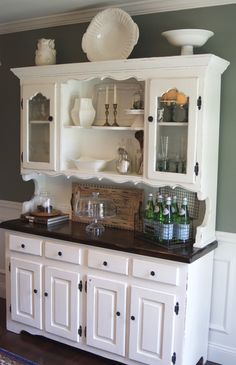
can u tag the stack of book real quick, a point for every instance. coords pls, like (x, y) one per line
(48, 221)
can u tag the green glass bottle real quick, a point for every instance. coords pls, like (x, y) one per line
(183, 228)
(149, 211)
(175, 214)
(158, 215)
(148, 224)
(167, 226)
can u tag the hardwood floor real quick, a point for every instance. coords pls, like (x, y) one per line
(44, 351)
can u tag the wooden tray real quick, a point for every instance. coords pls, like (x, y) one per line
(53, 213)
(128, 202)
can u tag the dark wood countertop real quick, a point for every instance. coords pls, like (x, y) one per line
(114, 239)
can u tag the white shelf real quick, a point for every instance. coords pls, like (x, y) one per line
(110, 128)
(39, 121)
(173, 124)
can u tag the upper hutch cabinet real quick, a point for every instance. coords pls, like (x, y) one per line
(166, 116)
(173, 121)
(38, 126)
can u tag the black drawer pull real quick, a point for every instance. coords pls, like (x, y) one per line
(118, 314)
(22, 246)
(46, 294)
(104, 263)
(132, 318)
(35, 291)
(59, 253)
(50, 118)
(150, 118)
(152, 273)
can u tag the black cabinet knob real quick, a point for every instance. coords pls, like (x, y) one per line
(104, 263)
(118, 314)
(152, 273)
(59, 253)
(150, 118)
(22, 246)
(35, 291)
(132, 318)
(50, 118)
(46, 294)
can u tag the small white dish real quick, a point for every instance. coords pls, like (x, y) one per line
(112, 34)
(187, 38)
(90, 164)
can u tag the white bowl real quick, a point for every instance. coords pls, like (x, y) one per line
(112, 34)
(187, 38)
(90, 164)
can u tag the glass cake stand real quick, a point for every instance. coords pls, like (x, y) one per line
(96, 209)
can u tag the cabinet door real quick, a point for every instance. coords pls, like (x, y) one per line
(172, 129)
(106, 314)
(26, 292)
(38, 122)
(151, 326)
(62, 304)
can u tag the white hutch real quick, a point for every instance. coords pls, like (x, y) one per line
(135, 307)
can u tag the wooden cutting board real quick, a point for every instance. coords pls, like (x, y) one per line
(128, 202)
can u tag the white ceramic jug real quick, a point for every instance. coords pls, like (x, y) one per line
(83, 112)
(46, 53)
(75, 112)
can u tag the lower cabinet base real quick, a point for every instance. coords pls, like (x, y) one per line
(18, 328)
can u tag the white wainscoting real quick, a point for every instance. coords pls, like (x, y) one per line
(222, 338)
(8, 210)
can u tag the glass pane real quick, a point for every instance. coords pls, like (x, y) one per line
(39, 129)
(39, 108)
(39, 141)
(172, 132)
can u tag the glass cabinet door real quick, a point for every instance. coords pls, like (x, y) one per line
(172, 129)
(39, 127)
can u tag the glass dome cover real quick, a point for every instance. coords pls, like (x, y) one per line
(95, 208)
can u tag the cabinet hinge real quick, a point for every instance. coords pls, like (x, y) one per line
(80, 331)
(196, 168)
(21, 103)
(85, 286)
(85, 331)
(199, 103)
(173, 358)
(80, 285)
(10, 308)
(176, 308)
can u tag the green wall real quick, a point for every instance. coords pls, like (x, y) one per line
(17, 50)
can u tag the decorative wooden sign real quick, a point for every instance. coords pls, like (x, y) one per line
(128, 202)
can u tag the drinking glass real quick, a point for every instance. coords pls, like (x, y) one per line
(164, 152)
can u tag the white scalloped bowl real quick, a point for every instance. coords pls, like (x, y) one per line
(187, 38)
(90, 164)
(112, 34)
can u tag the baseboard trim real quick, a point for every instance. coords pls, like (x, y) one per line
(224, 355)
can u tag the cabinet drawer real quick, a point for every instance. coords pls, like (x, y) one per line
(62, 252)
(108, 262)
(150, 270)
(23, 244)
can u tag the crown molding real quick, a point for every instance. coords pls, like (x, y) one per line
(140, 7)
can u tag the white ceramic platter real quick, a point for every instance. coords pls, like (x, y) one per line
(112, 34)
